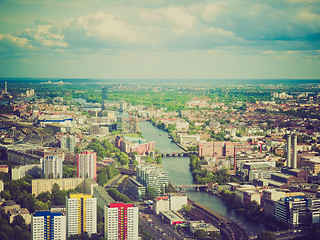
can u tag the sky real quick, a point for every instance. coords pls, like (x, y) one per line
(160, 39)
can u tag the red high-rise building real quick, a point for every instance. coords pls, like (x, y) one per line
(121, 221)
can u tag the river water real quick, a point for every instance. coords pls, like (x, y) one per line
(179, 174)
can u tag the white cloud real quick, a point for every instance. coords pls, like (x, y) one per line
(43, 36)
(175, 19)
(306, 15)
(108, 27)
(8, 40)
(211, 11)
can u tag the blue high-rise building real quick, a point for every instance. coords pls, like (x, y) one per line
(47, 225)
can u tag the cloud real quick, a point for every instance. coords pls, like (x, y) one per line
(188, 25)
(46, 36)
(174, 19)
(8, 41)
(108, 27)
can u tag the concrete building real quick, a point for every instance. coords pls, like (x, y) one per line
(23, 212)
(136, 189)
(297, 211)
(44, 185)
(47, 225)
(98, 129)
(161, 204)
(188, 139)
(171, 217)
(311, 163)
(153, 176)
(21, 171)
(182, 125)
(168, 203)
(121, 221)
(87, 165)
(68, 142)
(257, 170)
(130, 145)
(81, 214)
(22, 157)
(102, 196)
(52, 167)
(221, 149)
(201, 225)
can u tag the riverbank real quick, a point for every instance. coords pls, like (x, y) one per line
(179, 174)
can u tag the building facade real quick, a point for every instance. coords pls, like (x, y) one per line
(153, 176)
(81, 214)
(121, 221)
(68, 143)
(47, 225)
(87, 165)
(44, 185)
(52, 167)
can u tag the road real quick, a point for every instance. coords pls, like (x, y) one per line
(159, 229)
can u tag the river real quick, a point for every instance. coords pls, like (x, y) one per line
(179, 174)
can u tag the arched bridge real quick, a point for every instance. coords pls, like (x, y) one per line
(175, 154)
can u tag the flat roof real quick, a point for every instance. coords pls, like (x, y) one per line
(282, 175)
(172, 216)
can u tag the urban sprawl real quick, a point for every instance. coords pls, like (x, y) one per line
(75, 165)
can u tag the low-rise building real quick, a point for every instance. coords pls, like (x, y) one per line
(136, 189)
(44, 185)
(188, 139)
(23, 212)
(171, 217)
(312, 163)
(102, 196)
(4, 168)
(201, 225)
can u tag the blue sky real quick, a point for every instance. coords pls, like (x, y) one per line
(160, 39)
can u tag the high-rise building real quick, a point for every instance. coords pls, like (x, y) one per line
(87, 165)
(68, 143)
(52, 167)
(48, 225)
(153, 176)
(81, 214)
(121, 221)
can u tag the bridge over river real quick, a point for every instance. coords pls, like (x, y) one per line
(192, 186)
(175, 154)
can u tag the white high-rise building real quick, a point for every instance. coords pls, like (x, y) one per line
(121, 221)
(81, 214)
(153, 176)
(52, 167)
(87, 165)
(47, 225)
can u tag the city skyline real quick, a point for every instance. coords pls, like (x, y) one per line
(160, 39)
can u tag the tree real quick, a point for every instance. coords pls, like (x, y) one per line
(151, 193)
(76, 149)
(200, 233)
(159, 160)
(186, 208)
(19, 221)
(266, 235)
